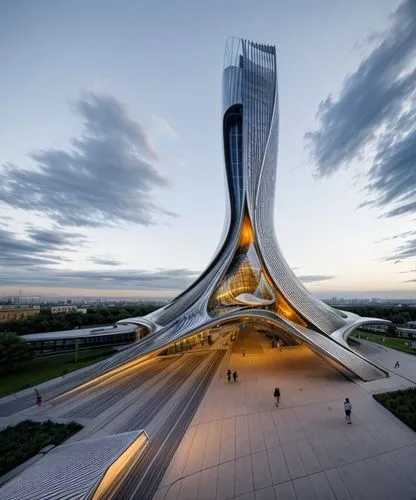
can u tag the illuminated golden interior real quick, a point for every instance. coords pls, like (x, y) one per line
(247, 283)
(247, 233)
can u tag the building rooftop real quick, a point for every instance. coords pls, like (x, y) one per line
(82, 332)
(58, 474)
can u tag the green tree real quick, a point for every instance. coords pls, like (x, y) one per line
(13, 351)
(391, 331)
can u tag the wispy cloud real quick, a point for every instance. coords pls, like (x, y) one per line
(107, 178)
(162, 127)
(4, 220)
(37, 258)
(311, 278)
(404, 251)
(37, 247)
(103, 261)
(159, 280)
(123, 279)
(405, 234)
(375, 114)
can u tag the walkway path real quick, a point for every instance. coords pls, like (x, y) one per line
(387, 357)
(240, 446)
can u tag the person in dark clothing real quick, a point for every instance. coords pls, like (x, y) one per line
(397, 365)
(347, 409)
(38, 401)
(235, 376)
(276, 395)
(229, 375)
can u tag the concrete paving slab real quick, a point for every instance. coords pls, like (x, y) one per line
(321, 486)
(208, 480)
(213, 445)
(338, 486)
(225, 486)
(278, 466)
(227, 450)
(285, 491)
(265, 494)
(242, 445)
(246, 496)
(303, 489)
(173, 491)
(189, 487)
(261, 470)
(294, 461)
(244, 482)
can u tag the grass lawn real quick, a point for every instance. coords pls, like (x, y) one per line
(20, 442)
(402, 404)
(42, 369)
(393, 342)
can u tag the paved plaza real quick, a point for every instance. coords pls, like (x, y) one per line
(240, 446)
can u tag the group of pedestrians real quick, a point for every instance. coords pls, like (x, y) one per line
(347, 404)
(234, 374)
(276, 395)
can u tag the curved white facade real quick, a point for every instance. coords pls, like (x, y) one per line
(249, 277)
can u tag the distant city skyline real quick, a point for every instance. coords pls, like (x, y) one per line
(22, 298)
(100, 129)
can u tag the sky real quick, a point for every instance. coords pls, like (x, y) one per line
(111, 168)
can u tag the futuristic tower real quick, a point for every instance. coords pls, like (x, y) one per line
(248, 276)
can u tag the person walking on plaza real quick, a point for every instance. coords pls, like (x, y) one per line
(276, 395)
(235, 375)
(397, 365)
(347, 409)
(229, 375)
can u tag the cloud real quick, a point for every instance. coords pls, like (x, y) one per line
(403, 251)
(37, 247)
(5, 220)
(405, 234)
(55, 239)
(104, 261)
(162, 127)
(311, 278)
(157, 280)
(162, 279)
(106, 178)
(374, 116)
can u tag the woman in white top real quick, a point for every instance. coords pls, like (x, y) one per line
(347, 409)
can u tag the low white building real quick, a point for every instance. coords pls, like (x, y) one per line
(67, 309)
(84, 338)
(376, 328)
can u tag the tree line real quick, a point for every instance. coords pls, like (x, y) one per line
(397, 315)
(45, 321)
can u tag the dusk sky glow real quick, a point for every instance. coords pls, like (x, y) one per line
(111, 168)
